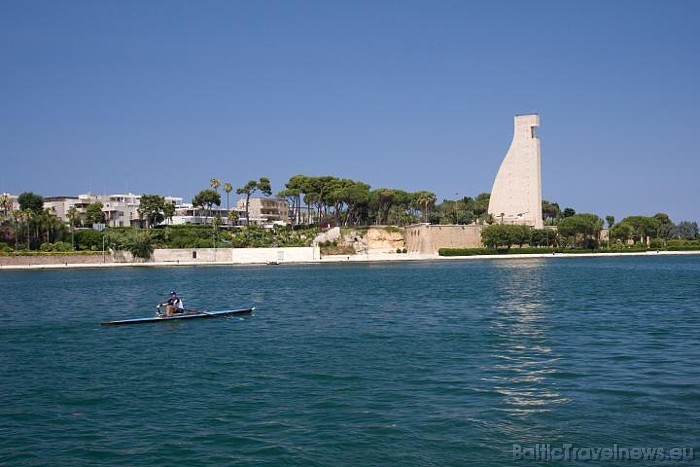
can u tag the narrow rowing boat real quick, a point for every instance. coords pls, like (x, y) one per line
(190, 314)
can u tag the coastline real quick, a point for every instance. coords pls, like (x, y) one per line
(334, 259)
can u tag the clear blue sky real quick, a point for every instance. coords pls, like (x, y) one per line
(161, 96)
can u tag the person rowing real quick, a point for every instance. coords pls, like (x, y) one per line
(172, 305)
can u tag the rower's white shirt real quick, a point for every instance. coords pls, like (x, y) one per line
(177, 303)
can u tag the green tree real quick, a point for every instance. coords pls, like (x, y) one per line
(543, 237)
(665, 226)
(686, 230)
(316, 191)
(481, 204)
(384, 199)
(88, 240)
(568, 212)
(232, 217)
(262, 185)
(5, 205)
(31, 202)
(582, 230)
(346, 197)
(550, 211)
(28, 222)
(293, 197)
(152, 209)
(73, 219)
(295, 188)
(622, 231)
(206, 199)
(610, 220)
(215, 184)
(169, 210)
(94, 214)
(505, 235)
(644, 227)
(52, 228)
(227, 189)
(425, 201)
(139, 244)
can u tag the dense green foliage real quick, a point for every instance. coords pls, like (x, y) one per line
(94, 214)
(29, 201)
(152, 209)
(551, 250)
(199, 236)
(580, 230)
(345, 202)
(207, 199)
(462, 211)
(498, 235)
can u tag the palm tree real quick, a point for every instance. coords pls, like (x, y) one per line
(72, 217)
(611, 221)
(5, 205)
(206, 199)
(26, 217)
(215, 184)
(263, 185)
(228, 188)
(425, 200)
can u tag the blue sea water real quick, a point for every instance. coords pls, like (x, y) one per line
(415, 364)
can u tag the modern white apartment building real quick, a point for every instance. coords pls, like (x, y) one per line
(188, 214)
(121, 210)
(265, 211)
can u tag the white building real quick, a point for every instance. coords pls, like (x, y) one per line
(265, 211)
(121, 210)
(189, 214)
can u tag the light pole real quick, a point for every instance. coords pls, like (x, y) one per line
(100, 227)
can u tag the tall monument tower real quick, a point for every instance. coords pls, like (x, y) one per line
(516, 197)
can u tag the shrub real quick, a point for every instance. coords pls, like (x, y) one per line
(58, 246)
(88, 239)
(656, 243)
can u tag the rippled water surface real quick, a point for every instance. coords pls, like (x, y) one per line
(447, 363)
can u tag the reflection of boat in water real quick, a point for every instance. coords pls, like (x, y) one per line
(190, 314)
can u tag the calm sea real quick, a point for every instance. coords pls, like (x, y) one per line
(486, 362)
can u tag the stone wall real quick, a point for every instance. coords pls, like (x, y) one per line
(66, 260)
(237, 255)
(428, 239)
(176, 256)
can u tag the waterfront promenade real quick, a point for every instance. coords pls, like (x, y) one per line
(252, 259)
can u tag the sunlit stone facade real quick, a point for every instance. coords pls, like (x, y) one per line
(516, 197)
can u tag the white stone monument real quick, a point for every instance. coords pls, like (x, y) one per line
(516, 197)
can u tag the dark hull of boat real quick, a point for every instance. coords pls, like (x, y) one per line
(186, 315)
